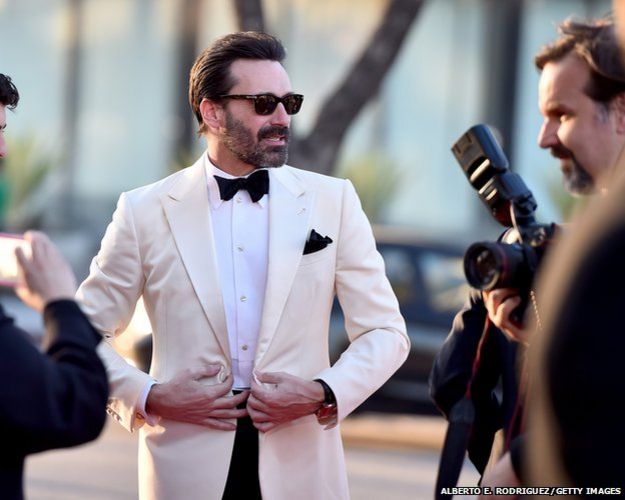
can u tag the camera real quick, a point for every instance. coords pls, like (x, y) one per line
(512, 261)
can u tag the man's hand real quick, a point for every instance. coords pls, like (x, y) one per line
(186, 398)
(45, 276)
(502, 474)
(500, 303)
(282, 398)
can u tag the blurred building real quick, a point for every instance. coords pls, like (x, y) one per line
(103, 85)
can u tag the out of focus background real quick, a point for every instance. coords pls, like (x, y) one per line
(389, 86)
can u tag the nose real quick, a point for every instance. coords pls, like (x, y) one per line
(548, 135)
(280, 117)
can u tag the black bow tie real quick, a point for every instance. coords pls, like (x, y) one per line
(256, 184)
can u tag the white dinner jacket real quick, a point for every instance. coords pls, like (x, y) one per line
(160, 245)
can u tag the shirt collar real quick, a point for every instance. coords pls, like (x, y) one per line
(214, 197)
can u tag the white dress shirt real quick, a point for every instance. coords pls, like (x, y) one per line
(241, 235)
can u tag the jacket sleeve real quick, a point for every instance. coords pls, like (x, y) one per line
(108, 297)
(377, 332)
(451, 371)
(56, 399)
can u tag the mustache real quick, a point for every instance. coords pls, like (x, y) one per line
(561, 152)
(272, 131)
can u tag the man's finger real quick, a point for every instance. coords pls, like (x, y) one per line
(259, 392)
(508, 306)
(21, 258)
(239, 398)
(221, 389)
(257, 404)
(269, 377)
(204, 371)
(226, 402)
(36, 245)
(254, 402)
(258, 416)
(229, 413)
(255, 407)
(212, 369)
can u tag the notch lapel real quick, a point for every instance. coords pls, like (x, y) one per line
(289, 213)
(188, 213)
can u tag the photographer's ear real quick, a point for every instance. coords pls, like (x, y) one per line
(618, 107)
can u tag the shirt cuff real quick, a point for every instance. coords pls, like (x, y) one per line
(141, 413)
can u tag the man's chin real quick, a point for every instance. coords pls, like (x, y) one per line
(275, 158)
(578, 189)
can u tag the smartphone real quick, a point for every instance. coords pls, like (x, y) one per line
(8, 260)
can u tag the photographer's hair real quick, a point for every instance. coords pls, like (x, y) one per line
(210, 76)
(9, 96)
(596, 43)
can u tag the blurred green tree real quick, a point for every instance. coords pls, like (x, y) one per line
(23, 176)
(567, 205)
(376, 179)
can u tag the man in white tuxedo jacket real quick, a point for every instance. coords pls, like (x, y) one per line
(238, 258)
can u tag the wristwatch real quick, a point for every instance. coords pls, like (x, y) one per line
(327, 414)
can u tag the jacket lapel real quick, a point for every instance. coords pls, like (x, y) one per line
(188, 213)
(289, 212)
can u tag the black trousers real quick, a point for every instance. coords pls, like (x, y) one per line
(242, 482)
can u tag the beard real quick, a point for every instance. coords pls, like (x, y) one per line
(241, 142)
(576, 180)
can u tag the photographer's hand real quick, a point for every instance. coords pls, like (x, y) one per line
(45, 276)
(500, 304)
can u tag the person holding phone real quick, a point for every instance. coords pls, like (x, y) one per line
(54, 399)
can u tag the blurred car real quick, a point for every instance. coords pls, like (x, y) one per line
(429, 282)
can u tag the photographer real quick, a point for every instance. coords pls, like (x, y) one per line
(50, 400)
(582, 100)
(578, 435)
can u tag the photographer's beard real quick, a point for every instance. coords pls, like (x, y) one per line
(576, 178)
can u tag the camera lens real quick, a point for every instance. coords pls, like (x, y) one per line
(483, 265)
(486, 266)
(490, 265)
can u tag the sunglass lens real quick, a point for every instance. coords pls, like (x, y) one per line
(292, 103)
(265, 104)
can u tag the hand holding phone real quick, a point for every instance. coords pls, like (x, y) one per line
(44, 275)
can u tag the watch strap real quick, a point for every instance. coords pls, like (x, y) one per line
(327, 414)
(328, 394)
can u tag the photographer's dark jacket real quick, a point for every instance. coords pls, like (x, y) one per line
(495, 387)
(50, 400)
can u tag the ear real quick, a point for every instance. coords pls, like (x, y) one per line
(618, 107)
(212, 114)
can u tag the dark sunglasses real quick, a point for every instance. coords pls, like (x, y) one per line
(265, 104)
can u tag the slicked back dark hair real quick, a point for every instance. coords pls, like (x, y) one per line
(9, 96)
(596, 43)
(210, 75)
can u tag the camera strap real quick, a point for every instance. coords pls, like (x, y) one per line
(459, 428)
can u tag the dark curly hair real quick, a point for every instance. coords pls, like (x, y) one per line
(210, 75)
(9, 96)
(596, 43)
